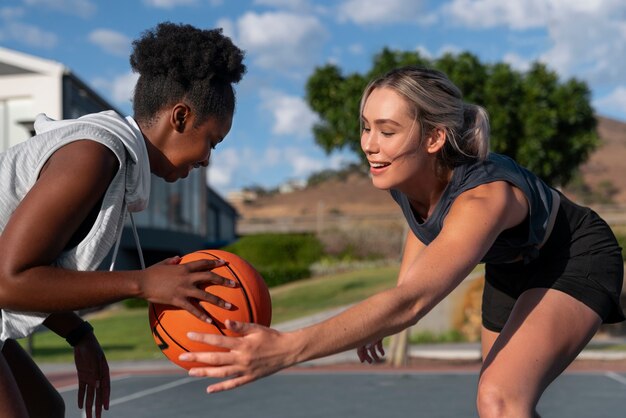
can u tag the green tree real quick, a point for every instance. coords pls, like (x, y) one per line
(545, 124)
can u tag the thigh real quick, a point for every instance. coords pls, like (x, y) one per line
(11, 403)
(545, 332)
(40, 397)
(487, 339)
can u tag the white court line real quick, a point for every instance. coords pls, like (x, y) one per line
(75, 386)
(612, 375)
(155, 389)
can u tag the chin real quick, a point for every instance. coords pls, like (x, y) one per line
(171, 178)
(379, 184)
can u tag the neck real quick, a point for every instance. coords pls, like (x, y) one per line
(153, 134)
(425, 195)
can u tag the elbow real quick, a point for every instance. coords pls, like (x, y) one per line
(9, 282)
(414, 308)
(4, 290)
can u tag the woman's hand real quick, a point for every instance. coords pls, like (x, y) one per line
(182, 285)
(372, 353)
(94, 381)
(258, 352)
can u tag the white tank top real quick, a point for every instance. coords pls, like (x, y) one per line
(21, 164)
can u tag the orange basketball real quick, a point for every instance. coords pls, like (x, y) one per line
(250, 301)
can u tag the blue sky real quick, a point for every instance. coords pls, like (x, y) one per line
(271, 140)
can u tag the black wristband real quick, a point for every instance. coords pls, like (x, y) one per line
(78, 333)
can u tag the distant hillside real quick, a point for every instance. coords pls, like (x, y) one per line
(335, 201)
(607, 165)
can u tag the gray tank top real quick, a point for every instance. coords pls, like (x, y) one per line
(521, 241)
(129, 190)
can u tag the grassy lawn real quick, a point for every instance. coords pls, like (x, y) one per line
(125, 335)
(307, 297)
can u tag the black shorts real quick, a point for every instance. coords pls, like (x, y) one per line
(581, 258)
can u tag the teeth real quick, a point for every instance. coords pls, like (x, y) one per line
(379, 165)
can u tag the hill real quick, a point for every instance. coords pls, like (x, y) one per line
(607, 165)
(353, 198)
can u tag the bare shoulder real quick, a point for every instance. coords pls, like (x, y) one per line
(84, 155)
(77, 174)
(498, 199)
(69, 186)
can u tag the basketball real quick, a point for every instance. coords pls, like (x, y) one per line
(250, 301)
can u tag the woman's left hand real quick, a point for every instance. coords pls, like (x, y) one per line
(94, 381)
(372, 353)
(258, 352)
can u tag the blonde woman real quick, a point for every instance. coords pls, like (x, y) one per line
(553, 269)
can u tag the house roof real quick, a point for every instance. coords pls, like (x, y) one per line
(14, 62)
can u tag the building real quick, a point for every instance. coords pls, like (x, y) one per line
(182, 217)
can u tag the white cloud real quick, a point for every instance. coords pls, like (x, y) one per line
(280, 40)
(517, 62)
(11, 12)
(300, 6)
(365, 12)
(303, 165)
(481, 14)
(285, 4)
(586, 36)
(589, 45)
(234, 168)
(424, 52)
(28, 35)
(523, 14)
(82, 8)
(121, 88)
(356, 49)
(223, 167)
(292, 116)
(228, 27)
(111, 41)
(168, 4)
(613, 104)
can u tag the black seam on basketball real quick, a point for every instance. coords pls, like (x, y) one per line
(170, 336)
(245, 293)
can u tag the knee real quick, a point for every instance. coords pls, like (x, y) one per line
(496, 399)
(491, 400)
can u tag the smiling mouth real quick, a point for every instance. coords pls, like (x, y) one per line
(379, 165)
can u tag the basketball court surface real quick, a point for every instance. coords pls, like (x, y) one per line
(349, 391)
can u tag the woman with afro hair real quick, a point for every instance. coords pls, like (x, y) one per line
(64, 195)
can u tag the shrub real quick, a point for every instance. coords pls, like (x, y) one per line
(135, 303)
(280, 258)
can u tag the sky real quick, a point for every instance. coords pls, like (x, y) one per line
(271, 141)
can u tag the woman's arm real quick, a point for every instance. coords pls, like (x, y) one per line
(475, 220)
(71, 183)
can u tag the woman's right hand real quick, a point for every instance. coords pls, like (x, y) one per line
(372, 353)
(182, 285)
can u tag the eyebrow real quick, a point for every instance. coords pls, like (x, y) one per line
(381, 121)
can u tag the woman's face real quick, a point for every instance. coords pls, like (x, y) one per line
(390, 139)
(192, 147)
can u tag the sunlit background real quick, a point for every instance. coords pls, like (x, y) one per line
(271, 141)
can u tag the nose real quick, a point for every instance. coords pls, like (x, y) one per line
(369, 145)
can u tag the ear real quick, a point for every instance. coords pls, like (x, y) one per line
(436, 140)
(180, 117)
